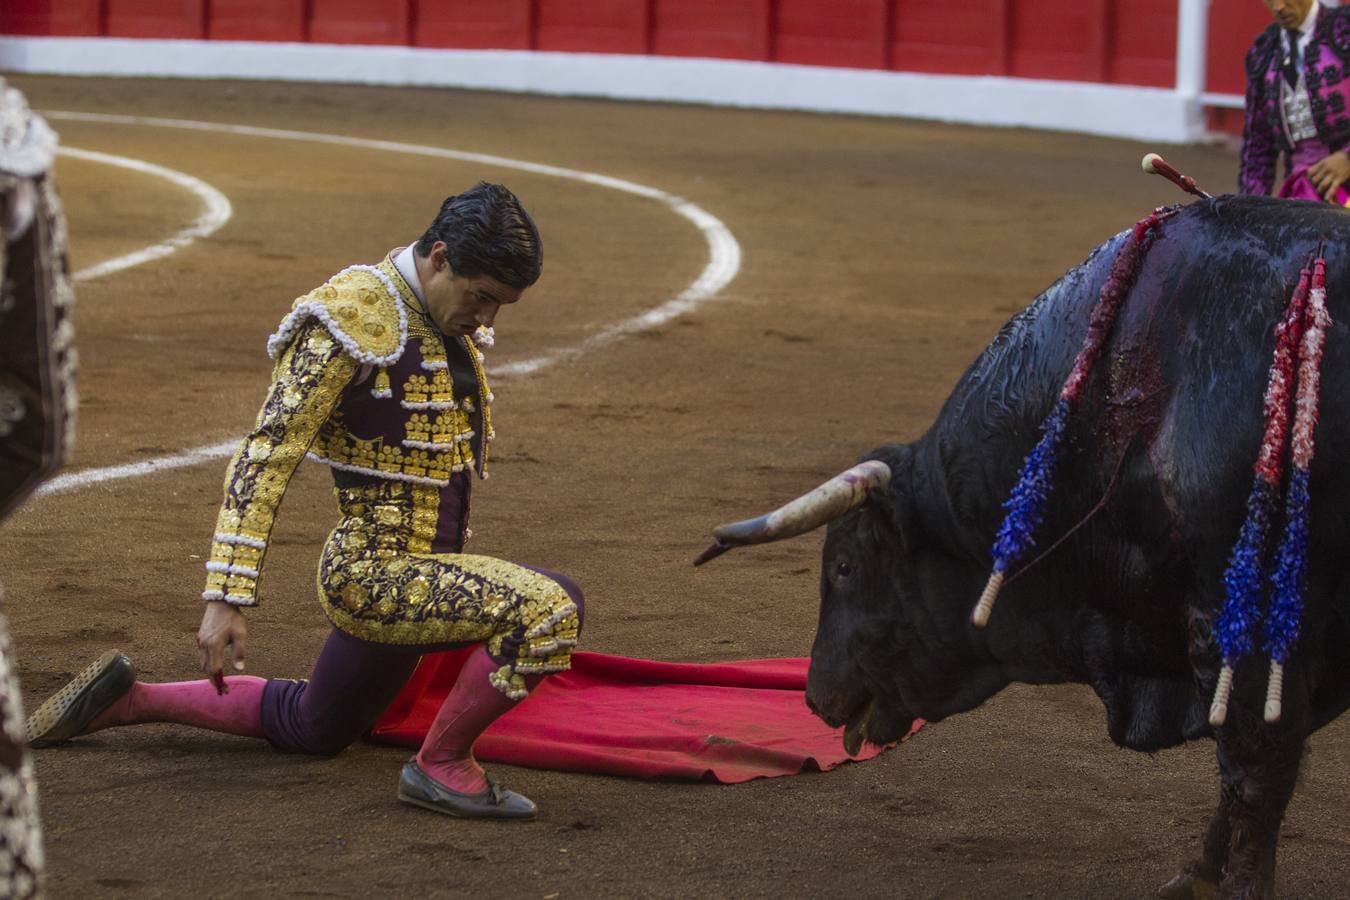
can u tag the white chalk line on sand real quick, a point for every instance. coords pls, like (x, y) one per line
(724, 262)
(87, 477)
(217, 211)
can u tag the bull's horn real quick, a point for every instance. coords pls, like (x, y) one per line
(826, 503)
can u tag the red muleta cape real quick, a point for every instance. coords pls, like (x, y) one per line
(613, 715)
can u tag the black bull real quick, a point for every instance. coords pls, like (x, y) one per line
(1149, 496)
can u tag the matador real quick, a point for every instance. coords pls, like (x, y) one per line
(379, 374)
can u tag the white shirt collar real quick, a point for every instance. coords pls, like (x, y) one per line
(406, 264)
(1305, 33)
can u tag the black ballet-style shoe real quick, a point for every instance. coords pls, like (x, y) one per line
(68, 712)
(415, 786)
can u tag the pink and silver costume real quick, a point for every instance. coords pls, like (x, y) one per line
(1302, 122)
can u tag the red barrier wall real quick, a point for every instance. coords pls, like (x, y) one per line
(76, 18)
(1233, 25)
(475, 24)
(593, 26)
(257, 20)
(1049, 42)
(970, 39)
(1142, 41)
(849, 33)
(1112, 41)
(154, 18)
(721, 29)
(360, 21)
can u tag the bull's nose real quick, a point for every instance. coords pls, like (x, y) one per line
(831, 708)
(821, 709)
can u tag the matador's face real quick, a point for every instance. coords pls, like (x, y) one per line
(458, 304)
(1289, 13)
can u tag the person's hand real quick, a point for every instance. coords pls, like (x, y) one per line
(220, 638)
(1329, 173)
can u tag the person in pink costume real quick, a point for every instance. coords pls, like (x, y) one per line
(378, 374)
(1298, 91)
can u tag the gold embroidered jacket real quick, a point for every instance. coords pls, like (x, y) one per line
(364, 383)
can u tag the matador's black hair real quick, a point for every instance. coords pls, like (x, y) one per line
(487, 232)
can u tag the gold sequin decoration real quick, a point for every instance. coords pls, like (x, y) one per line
(425, 514)
(374, 587)
(446, 430)
(483, 394)
(377, 457)
(307, 381)
(423, 391)
(362, 309)
(433, 388)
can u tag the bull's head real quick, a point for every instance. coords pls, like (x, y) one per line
(893, 642)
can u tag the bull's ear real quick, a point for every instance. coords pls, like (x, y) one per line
(895, 501)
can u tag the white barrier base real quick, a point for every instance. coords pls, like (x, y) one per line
(1152, 114)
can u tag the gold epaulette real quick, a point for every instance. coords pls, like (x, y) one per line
(361, 308)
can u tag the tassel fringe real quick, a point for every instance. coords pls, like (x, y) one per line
(1026, 505)
(1303, 330)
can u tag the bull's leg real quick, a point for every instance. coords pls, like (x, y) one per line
(1258, 765)
(1200, 879)
(1263, 767)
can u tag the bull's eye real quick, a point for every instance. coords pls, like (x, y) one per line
(842, 570)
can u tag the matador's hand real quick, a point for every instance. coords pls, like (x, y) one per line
(221, 636)
(1329, 173)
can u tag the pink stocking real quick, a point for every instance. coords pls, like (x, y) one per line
(473, 705)
(190, 703)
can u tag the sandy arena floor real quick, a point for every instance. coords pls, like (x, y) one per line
(879, 258)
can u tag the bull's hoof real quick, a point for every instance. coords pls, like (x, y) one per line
(1189, 886)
